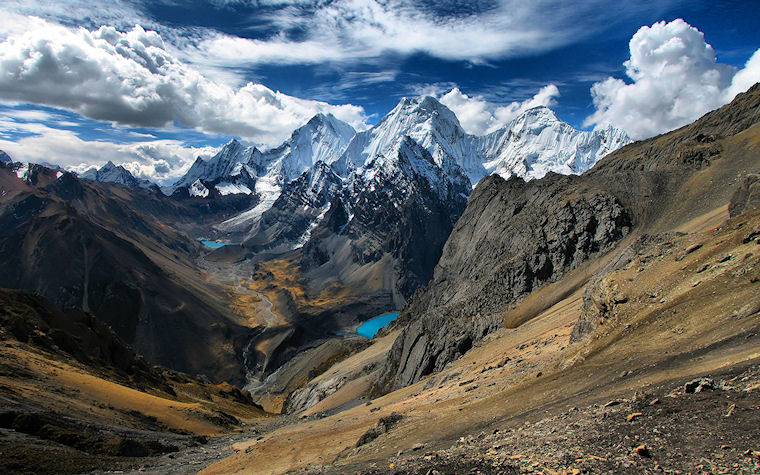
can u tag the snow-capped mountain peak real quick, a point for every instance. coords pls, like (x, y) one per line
(321, 140)
(112, 173)
(425, 120)
(537, 141)
(228, 162)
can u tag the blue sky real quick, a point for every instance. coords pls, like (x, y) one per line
(153, 84)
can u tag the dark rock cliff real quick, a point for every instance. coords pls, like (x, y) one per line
(513, 237)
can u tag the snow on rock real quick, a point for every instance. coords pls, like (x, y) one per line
(419, 138)
(112, 173)
(426, 121)
(226, 188)
(198, 189)
(22, 170)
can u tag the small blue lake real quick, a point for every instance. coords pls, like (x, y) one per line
(370, 327)
(214, 244)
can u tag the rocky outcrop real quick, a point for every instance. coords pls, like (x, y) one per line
(310, 395)
(513, 237)
(747, 196)
(602, 295)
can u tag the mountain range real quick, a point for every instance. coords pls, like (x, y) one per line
(380, 202)
(529, 146)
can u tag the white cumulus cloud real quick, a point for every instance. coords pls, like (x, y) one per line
(131, 78)
(479, 116)
(745, 78)
(675, 78)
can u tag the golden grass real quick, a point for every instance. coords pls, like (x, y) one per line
(73, 390)
(287, 274)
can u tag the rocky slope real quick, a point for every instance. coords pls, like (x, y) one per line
(515, 236)
(672, 366)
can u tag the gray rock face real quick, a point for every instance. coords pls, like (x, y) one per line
(289, 222)
(513, 237)
(747, 196)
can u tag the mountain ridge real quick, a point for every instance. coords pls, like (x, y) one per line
(118, 174)
(434, 126)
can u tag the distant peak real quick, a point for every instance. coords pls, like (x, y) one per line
(540, 111)
(232, 144)
(109, 164)
(422, 102)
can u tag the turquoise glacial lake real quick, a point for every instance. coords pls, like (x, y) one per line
(370, 328)
(214, 244)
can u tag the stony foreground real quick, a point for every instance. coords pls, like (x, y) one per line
(658, 430)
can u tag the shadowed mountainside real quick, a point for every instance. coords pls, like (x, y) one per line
(106, 248)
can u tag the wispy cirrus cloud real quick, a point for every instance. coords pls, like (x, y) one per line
(311, 32)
